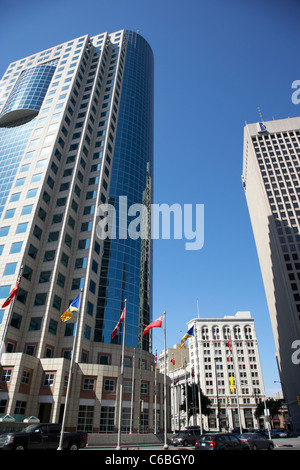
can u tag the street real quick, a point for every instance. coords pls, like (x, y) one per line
(290, 443)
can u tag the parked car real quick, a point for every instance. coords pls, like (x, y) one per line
(42, 436)
(263, 432)
(278, 432)
(220, 441)
(256, 441)
(186, 437)
(274, 433)
(281, 432)
(237, 430)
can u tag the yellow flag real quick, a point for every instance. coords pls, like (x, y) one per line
(72, 308)
(66, 315)
(186, 336)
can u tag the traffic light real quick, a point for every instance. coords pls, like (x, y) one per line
(298, 399)
(231, 380)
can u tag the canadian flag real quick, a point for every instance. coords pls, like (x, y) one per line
(119, 323)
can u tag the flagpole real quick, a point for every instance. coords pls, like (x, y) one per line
(179, 402)
(8, 320)
(155, 394)
(60, 446)
(199, 389)
(132, 391)
(140, 379)
(186, 396)
(156, 323)
(173, 394)
(121, 380)
(165, 387)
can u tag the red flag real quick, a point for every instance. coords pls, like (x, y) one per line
(157, 322)
(229, 347)
(118, 324)
(155, 359)
(173, 361)
(12, 294)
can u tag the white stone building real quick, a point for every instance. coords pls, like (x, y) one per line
(209, 353)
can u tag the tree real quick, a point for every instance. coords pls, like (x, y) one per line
(193, 405)
(272, 405)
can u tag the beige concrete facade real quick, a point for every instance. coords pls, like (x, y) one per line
(40, 386)
(271, 180)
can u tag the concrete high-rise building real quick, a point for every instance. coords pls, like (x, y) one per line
(222, 349)
(271, 180)
(76, 132)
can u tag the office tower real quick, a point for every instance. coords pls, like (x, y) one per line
(222, 348)
(76, 133)
(271, 184)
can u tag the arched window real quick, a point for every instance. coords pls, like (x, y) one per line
(226, 332)
(204, 332)
(248, 332)
(215, 332)
(237, 332)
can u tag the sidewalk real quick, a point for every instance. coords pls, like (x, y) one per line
(107, 440)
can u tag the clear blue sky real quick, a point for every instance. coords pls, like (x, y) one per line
(216, 61)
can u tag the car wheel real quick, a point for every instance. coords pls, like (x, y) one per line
(185, 442)
(254, 447)
(73, 446)
(271, 447)
(19, 447)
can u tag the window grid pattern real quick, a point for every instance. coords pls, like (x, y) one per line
(278, 157)
(126, 263)
(13, 141)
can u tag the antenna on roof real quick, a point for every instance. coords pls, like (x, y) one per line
(259, 111)
(261, 125)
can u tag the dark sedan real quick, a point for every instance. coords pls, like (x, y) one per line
(256, 441)
(220, 441)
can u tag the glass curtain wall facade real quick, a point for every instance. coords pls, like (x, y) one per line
(127, 262)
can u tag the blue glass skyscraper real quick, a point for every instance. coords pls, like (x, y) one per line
(126, 263)
(76, 133)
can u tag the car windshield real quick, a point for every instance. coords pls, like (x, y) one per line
(30, 428)
(182, 434)
(245, 436)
